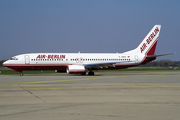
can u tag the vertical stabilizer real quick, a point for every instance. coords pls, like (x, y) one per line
(148, 45)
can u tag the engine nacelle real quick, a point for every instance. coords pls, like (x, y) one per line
(75, 69)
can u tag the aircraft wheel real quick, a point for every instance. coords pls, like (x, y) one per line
(21, 74)
(90, 73)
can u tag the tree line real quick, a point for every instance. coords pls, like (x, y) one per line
(163, 63)
(1, 63)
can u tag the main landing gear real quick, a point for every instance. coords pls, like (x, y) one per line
(21, 74)
(90, 73)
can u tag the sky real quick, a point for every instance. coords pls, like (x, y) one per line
(88, 26)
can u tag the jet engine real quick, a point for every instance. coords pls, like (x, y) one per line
(76, 69)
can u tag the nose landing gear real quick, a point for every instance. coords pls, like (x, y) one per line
(21, 73)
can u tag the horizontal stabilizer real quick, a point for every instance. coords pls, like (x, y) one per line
(159, 55)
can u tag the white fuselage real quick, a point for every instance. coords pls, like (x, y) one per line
(59, 61)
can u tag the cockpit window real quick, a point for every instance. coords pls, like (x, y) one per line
(14, 58)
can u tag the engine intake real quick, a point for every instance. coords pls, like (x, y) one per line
(75, 69)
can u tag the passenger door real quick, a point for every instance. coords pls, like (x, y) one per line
(27, 59)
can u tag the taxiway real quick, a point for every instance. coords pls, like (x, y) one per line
(135, 95)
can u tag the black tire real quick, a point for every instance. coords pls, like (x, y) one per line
(90, 73)
(21, 74)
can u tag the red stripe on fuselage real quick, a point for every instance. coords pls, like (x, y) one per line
(20, 67)
(37, 66)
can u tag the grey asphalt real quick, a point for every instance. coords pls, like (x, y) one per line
(139, 95)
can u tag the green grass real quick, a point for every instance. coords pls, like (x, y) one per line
(12, 72)
(143, 69)
(6, 71)
(149, 68)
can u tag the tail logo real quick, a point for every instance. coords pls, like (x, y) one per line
(149, 39)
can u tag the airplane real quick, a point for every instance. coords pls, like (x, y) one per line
(80, 63)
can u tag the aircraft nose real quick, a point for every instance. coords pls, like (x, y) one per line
(6, 63)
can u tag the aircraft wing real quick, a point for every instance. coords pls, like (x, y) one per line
(102, 65)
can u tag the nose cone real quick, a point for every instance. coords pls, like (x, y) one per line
(6, 63)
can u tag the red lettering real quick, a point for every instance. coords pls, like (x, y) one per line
(156, 30)
(62, 56)
(50, 56)
(38, 56)
(148, 41)
(152, 35)
(143, 47)
(56, 56)
(43, 56)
